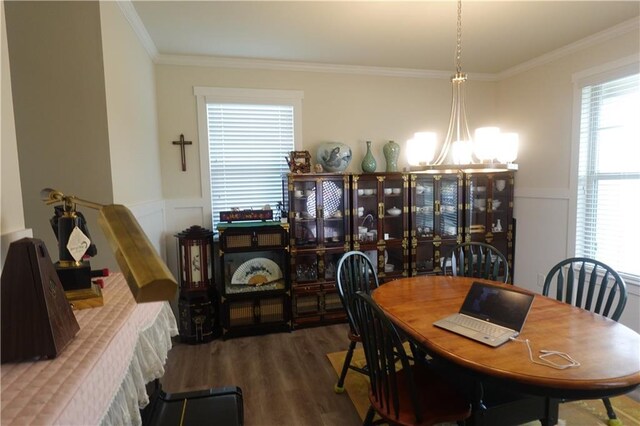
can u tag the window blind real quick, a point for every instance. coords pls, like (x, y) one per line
(248, 147)
(608, 199)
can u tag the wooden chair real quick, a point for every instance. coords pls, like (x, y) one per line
(402, 393)
(592, 285)
(480, 260)
(355, 273)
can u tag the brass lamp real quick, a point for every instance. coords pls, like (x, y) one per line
(147, 275)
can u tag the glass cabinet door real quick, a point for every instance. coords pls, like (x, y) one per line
(365, 206)
(423, 207)
(303, 215)
(490, 201)
(334, 211)
(479, 207)
(436, 221)
(501, 202)
(319, 209)
(448, 224)
(393, 207)
(381, 220)
(253, 271)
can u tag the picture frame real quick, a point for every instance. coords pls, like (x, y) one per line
(299, 162)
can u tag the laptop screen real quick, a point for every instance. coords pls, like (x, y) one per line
(497, 305)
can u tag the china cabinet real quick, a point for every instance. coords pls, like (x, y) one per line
(319, 219)
(489, 211)
(254, 288)
(436, 218)
(380, 223)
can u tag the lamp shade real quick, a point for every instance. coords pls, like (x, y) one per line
(195, 248)
(485, 141)
(148, 276)
(421, 148)
(508, 151)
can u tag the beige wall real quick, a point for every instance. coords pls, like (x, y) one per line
(86, 119)
(58, 87)
(11, 211)
(131, 110)
(539, 103)
(336, 107)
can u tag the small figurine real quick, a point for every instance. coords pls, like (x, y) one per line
(318, 168)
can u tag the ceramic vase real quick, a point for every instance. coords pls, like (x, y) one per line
(334, 156)
(368, 162)
(391, 152)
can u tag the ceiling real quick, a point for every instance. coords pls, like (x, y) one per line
(496, 35)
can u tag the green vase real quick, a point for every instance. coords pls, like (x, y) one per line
(368, 162)
(391, 152)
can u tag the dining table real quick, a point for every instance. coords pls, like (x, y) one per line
(606, 352)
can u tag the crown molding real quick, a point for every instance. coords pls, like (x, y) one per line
(613, 32)
(244, 63)
(132, 16)
(265, 64)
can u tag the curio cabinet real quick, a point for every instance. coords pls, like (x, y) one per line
(319, 215)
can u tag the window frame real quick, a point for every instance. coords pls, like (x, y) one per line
(597, 75)
(205, 95)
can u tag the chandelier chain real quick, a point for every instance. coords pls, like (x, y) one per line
(459, 39)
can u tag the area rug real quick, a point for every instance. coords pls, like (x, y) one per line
(577, 413)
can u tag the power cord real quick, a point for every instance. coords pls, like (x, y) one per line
(546, 354)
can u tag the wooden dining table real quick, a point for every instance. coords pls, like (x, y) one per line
(608, 352)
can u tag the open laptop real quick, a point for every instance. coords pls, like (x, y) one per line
(489, 314)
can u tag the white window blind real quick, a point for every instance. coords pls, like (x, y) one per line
(608, 199)
(248, 147)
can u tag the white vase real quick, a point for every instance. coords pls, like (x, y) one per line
(334, 156)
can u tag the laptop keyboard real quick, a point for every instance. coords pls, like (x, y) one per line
(477, 325)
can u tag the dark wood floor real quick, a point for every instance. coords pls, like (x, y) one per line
(286, 378)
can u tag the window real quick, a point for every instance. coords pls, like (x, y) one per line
(608, 185)
(248, 135)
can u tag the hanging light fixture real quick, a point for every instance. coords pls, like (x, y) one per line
(458, 139)
(458, 147)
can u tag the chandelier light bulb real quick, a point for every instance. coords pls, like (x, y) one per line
(421, 148)
(461, 152)
(486, 142)
(508, 151)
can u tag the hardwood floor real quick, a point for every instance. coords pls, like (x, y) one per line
(286, 378)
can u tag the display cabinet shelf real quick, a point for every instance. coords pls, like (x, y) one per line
(381, 221)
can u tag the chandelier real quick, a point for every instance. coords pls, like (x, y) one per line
(489, 149)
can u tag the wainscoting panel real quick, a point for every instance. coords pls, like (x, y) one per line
(182, 214)
(541, 242)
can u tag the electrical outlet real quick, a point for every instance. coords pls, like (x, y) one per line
(541, 280)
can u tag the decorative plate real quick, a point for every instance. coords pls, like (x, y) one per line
(257, 271)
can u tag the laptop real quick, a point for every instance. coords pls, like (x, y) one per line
(489, 314)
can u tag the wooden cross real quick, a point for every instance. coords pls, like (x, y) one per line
(182, 143)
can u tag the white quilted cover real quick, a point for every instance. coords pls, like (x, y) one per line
(100, 377)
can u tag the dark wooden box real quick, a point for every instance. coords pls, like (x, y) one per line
(217, 406)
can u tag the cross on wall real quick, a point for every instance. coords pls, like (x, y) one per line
(182, 144)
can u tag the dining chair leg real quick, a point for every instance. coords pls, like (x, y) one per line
(369, 417)
(339, 387)
(613, 419)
